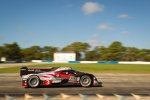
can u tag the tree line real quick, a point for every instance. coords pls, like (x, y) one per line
(115, 51)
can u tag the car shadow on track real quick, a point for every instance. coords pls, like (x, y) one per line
(65, 86)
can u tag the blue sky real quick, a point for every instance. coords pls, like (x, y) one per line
(61, 22)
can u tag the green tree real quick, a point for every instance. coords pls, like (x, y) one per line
(38, 53)
(115, 51)
(48, 52)
(143, 55)
(103, 52)
(2, 51)
(31, 53)
(77, 47)
(130, 54)
(11, 51)
(93, 55)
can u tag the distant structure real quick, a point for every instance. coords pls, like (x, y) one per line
(3, 59)
(64, 56)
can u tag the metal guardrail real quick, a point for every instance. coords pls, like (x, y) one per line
(79, 96)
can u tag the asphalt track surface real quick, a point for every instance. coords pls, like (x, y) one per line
(112, 84)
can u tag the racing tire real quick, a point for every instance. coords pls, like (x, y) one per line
(33, 81)
(86, 81)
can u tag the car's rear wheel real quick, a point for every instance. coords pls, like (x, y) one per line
(86, 81)
(33, 81)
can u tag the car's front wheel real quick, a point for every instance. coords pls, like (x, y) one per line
(33, 81)
(86, 81)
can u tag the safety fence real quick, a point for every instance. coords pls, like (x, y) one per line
(92, 62)
(78, 62)
(79, 96)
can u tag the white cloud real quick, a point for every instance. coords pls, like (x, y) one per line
(95, 35)
(123, 16)
(92, 7)
(95, 40)
(104, 27)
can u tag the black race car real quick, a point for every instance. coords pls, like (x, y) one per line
(35, 77)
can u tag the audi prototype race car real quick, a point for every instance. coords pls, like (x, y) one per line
(35, 77)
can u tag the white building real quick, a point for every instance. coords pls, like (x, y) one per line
(64, 56)
(3, 59)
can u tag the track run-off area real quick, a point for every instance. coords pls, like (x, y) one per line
(131, 86)
(115, 86)
(112, 83)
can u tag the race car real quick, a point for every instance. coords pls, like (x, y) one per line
(36, 77)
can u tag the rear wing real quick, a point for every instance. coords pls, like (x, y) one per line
(26, 70)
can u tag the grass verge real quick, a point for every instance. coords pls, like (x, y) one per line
(91, 68)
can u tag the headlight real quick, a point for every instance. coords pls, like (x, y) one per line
(94, 78)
